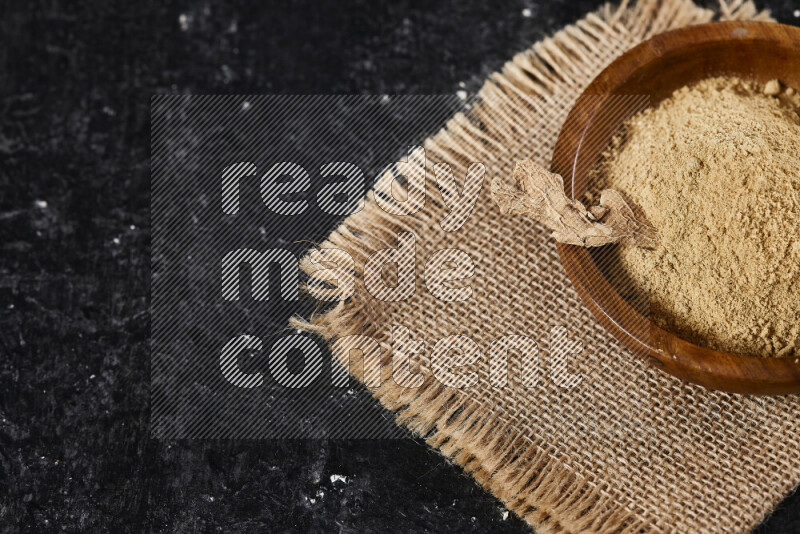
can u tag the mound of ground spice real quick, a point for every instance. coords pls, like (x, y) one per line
(716, 169)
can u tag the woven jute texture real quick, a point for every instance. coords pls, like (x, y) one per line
(626, 448)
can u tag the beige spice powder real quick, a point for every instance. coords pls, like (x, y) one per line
(716, 169)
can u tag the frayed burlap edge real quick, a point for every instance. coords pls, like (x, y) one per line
(519, 470)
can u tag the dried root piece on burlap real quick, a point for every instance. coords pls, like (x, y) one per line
(539, 194)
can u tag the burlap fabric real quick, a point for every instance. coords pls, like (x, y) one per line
(628, 449)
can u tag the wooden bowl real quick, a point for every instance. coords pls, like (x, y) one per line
(751, 50)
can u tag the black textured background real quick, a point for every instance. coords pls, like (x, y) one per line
(75, 452)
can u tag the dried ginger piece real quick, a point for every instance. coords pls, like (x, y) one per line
(539, 194)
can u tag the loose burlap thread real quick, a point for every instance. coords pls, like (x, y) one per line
(628, 449)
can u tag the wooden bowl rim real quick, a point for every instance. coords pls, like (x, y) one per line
(694, 363)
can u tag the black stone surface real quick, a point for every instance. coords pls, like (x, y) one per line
(75, 452)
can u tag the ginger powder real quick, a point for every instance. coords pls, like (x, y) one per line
(716, 170)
